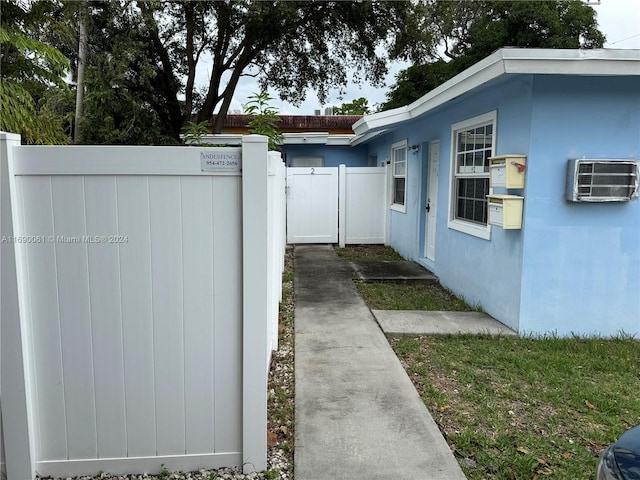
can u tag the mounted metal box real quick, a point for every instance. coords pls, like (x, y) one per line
(507, 171)
(505, 211)
(594, 180)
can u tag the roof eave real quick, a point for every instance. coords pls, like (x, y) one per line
(507, 61)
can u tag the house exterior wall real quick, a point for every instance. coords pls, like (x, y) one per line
(581, 261)
(334, 155)
(573, 267)
(485, 272)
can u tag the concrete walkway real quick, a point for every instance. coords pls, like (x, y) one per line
(420, 322)
(358, 416)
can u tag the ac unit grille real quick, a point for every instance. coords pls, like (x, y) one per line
(602, 180)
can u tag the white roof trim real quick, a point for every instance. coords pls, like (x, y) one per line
(509, 61)
(223, 138)
(316, 138)
(358, 139)
(308, 138)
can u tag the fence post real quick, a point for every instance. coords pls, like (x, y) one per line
(17, 422)
(255, 258)
(342, 205)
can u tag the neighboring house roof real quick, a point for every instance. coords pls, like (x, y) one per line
(332, 124)
(504, 61)
(296, 129)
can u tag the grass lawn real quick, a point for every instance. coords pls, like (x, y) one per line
(394, 296)
(514, 408)
(524, 408)
(364, 253)
(410, 296)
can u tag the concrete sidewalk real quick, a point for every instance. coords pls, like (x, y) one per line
(420, 322)
(358, 416)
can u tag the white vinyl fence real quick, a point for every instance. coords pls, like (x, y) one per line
(140, 290)
(345, 205)
(363, 205)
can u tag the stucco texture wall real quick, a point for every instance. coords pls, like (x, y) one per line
(485, 272)
(334, 155)
(581, 261)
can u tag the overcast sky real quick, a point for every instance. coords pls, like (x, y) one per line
(619, 20)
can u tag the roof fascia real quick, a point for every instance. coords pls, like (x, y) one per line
(507, 61)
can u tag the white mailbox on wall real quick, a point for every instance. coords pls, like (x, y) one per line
(505, 211)
(507, 171)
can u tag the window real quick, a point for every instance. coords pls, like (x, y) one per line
(399, 171)
(307, 161)
(473, 144)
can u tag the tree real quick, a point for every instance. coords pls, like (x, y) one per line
(360, 106)
(29, 70)
(82, 61)
(264, 118)
(473, 30)
(156, 47)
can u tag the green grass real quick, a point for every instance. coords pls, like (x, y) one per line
(524, 408)
(368, 253)
(410, 296)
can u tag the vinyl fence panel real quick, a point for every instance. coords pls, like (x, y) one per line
(312, 205)
(363, 205)
(136, 291)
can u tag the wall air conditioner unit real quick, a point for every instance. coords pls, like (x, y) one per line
(594, 180)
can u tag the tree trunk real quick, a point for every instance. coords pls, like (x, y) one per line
(82, 60)
(191, 64)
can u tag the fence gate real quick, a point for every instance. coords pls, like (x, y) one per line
(312, 205)
(344, 205)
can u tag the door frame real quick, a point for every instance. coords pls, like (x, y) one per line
(431, 200)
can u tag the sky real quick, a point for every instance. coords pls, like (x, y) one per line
(619, 20)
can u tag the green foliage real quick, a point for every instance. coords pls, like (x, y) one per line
(193, 132)
(164, 472)
(473, 30)
(271, 474)
(264, 118)
(413, 82)
(410, 296)
(368, 253)
(29, 71)
(18, 114)
(360, 106)
(149, 55)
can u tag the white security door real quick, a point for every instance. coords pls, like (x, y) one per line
(432, 200)
(312, 205)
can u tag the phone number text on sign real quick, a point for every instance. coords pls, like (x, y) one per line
(221, 161)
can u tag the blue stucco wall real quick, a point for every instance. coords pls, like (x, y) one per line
(485, 272)
(574, 267)
(334, 155)
(581, 261)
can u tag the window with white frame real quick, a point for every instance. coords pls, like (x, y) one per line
(473, 143)
(399, 171)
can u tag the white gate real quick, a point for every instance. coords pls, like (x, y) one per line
(345, 205)
(312, 205)
(147, 291)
